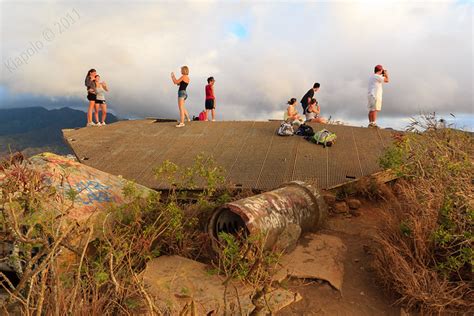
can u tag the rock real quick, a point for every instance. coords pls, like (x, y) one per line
(367, 249)
(354, 204)
(95, 192)
(317, 257)
(341, 207)
(329, 199)
(176, 283)
(355, 213)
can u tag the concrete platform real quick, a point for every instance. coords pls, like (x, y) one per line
(251, 152)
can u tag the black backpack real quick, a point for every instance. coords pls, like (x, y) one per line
(304, 130)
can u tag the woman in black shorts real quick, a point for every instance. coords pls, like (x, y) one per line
(91, 95)
(183, 83)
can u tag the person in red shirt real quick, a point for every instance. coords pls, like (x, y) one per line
(210, 98)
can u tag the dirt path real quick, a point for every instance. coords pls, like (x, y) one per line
(360, 294)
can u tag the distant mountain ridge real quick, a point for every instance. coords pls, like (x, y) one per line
(35, 129)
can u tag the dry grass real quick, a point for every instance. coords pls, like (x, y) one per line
(425, 249)
(101, 273)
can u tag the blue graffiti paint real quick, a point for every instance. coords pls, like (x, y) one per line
(91, 191)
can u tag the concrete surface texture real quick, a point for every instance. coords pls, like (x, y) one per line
(176, 282)
(250, 151)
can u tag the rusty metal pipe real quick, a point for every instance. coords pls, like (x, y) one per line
(280, 215)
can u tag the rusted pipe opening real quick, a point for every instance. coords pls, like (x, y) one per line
(282, 215)
(228, 222)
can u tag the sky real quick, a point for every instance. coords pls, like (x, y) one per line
(261, 53)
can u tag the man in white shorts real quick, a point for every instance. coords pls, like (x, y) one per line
(376, 80)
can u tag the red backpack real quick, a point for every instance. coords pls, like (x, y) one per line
(203, 116)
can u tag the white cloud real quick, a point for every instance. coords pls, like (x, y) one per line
(288, 46)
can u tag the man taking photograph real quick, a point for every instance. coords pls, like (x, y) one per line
(376, 80)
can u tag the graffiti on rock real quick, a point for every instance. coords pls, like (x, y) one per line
(92, 191)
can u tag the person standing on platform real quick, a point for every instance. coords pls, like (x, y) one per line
(210, 103)
(91, 95)
(376, 80)
(308, 96)
(183, 83)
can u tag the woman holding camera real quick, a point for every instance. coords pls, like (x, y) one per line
(183, 83)
(313, 112)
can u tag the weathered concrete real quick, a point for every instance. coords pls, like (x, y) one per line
(251, 152)
(94, 191)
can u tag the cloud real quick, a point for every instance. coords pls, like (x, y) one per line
(261, 54)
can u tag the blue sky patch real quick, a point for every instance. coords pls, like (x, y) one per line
(239, 30)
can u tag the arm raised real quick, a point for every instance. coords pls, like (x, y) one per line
(176, 81)
(385, 78)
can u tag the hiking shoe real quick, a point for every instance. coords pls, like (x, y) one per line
(180, 125)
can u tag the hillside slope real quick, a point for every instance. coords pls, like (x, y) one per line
(36, 129)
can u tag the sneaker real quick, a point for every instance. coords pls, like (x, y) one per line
(180, 125)
(373, 124)
(103, 123)
(213, 120)
(91, 124)
(98, 124)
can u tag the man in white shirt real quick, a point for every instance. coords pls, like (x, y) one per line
(376, 80)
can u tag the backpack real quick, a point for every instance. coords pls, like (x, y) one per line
(203, 116)
(304, 130)
(323, 137)
(285, 129)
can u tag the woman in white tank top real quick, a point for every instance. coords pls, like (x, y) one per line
(100, 89)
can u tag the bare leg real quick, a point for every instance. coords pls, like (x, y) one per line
(104, 112)
(371, 116)
(181, 110)
(186, 114)
(207, 115)
(89, 111)
(96, 113)
(213, 112)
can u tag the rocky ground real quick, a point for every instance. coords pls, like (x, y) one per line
(360, 294)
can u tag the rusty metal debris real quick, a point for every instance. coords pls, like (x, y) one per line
(280, 215)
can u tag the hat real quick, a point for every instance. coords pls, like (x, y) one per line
(378, 68)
